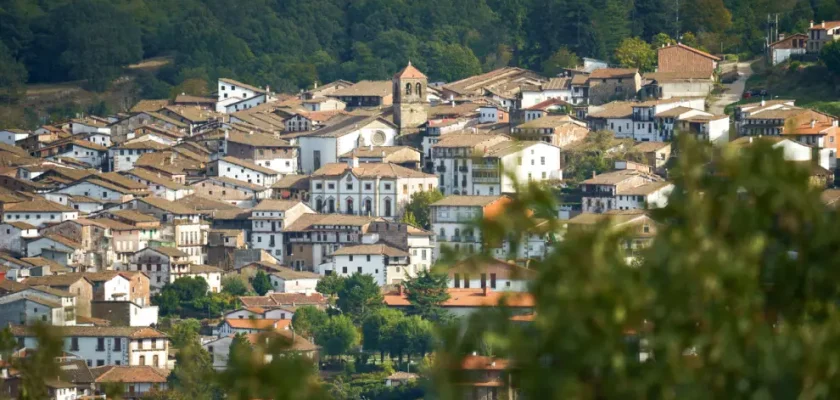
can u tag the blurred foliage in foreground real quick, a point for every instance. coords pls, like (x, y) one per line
(735, 298)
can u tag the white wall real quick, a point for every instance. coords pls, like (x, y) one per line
(305, 286)
(369, 264)
(10, 138)
(93, 191)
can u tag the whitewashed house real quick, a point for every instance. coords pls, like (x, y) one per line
(453, 157)
(373, 189)
(160, 186)
(159, 263)
(453, 219)
(242, 170)
(494, 274)
(13, 236)
(10, 136)
(369, 259)
(287, 280)
(108, 345)
(507, 163)
(38, 212)
(268, 222)
(136, 381)
(626, 189)
(122, 157)
(323, 146)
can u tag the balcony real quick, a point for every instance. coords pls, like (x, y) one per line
(485, 167)
(455, 238)
(441, 168)
(485, 179)
(470, 239)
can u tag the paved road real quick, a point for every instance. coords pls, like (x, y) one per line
(734, 91)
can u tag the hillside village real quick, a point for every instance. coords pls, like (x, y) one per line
(106, 216)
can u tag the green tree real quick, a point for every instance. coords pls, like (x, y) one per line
(562, 58)
(193, 376)
(830, 55)
(101, 39)
(330, 285)
(734, 278)
(235, 285)
(359, 296)
(184, 332)
(410, 335)
(427, 292)
(261, 283)
(661, 39)
(338, 335)
(418, 206)
(635, 53)
(308, 320)
(377, 329)
(408, 218)
(12, 77)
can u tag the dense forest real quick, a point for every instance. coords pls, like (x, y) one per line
(289, 44)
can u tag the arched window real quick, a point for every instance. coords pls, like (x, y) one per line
(156, 360)
(419, 89)
(319, 205)
(457, 232)
(142, 360)
(442, 232)
(331, 205)
(350, 206)
(408, 89)
(368, 206)
(387, 207)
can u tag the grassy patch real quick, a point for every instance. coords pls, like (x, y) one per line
(810, 84)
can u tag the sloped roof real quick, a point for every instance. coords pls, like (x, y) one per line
(365, 88)
(471, 298)
(276, 205)
(168, 206)
(243, 85)
(370, 170)
(691, 49)
(613, 73)
(247, 164)
(364, 249)
(37, 205)
(409, 72)
(257, 139)
(129, 374)
(96, 331)
(149, 176)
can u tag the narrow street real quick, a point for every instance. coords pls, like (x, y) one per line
(734, 90)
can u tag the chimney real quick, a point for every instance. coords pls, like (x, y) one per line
(781, 36)
(370, 147)
(813, 123)
(475, 353)
(267, 89)
(763, 103)
(353, 162)
(812, 23)
(493, 363)
(823, 24)
(315, 85)
(593, 174)
(383, 153)
(751, 139)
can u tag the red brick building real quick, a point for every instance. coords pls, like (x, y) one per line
(681, 58)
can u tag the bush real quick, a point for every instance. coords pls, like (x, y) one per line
(794, 66)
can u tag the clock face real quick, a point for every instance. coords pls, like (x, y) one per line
(378, 138)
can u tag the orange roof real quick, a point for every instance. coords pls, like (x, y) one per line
(471, 298)
(828, 25)
(819, 128)
(693, 50)
(475, 362)
(259, 324)
(410, 72)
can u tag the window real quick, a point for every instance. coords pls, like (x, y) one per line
(74, 344)
(351, 258)
(492, 281)
(368, 186)
(387, 207)
(387, 186)
(100, 363)
(423, 255)
(331, 186)
(405, 189)
(142, 360)
(343, 270)
(156, 360)
(117, 344)
(359, 269)
(100, 344)
(483, 281)
(368, 257)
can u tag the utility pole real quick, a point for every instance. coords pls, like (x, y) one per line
(677, 37)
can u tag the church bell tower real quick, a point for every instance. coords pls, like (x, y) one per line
(410, 105)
